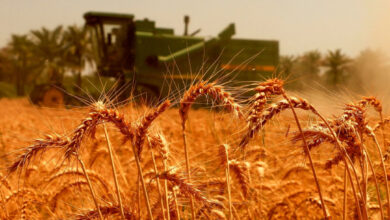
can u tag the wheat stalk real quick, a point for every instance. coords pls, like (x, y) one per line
(89, 185)
(376, 184)
(126, 129)
(224, 156)
(157, 180)
(218, 94)
(176, 202)
(372, 134)
(114, 171)
(271, 112)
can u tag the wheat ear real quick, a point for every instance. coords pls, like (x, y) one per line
(218, 94)
(19, 193)
(146, 121)
(275, 109)
(373, 101)
(185, 187)
(40, 145)
(126, 129)
(54, 199)
(158, 141)
(346, 159)
(240, 169)
(23, 212)
(272, 111)
(113, 116)
(138, 142)
(92, 175)
(86, 128)
(263, 91)
(300, 103)
(106, 210)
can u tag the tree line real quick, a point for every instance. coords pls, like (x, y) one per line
(335, 69)
(45, 55)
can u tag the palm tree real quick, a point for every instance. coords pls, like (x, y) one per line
(287, 64)
(77, 51)
(20, 61)
(5, 65)
(337, 64)
(48, 47)
(310, 64)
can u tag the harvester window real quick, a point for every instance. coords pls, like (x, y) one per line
(95, 39)
(111, 33)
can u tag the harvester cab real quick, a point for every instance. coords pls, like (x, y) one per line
(139, 52)
(113, 41)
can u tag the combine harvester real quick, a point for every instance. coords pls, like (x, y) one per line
(138, 52)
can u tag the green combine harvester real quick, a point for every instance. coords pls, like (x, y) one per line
(150, 59)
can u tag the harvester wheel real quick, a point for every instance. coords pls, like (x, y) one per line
(48, 96)
(53, 97)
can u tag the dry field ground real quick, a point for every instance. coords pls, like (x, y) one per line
(269, 178)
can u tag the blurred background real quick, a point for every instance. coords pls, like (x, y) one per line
(50, 48)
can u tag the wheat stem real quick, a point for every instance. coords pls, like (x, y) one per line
(176, 203)
(158, 184)
(120, 168)
(228, 183)
(138, 196)
(376, 184)
(188, 167)
(166, 190)
(345, 157)
(383, 129)
(90, 185)
(345, 193)
(384, 170)
(109, 147)
(307, 151)
(146, 196)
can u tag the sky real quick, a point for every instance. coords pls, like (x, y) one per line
(298, 25)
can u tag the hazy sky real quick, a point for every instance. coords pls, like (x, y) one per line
(299, 25)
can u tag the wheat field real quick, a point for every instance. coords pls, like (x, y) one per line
(273, 156)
